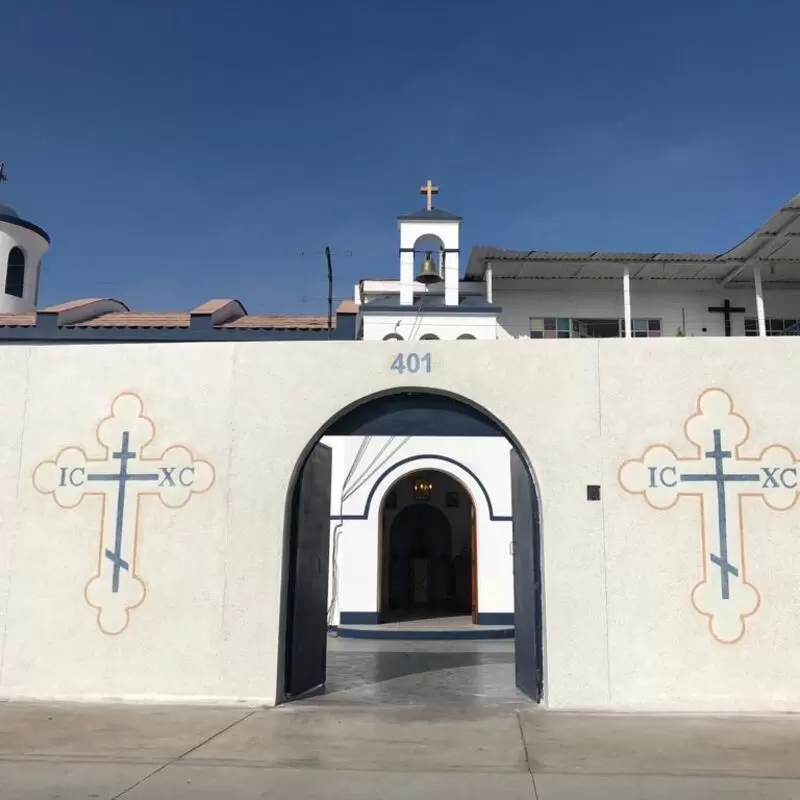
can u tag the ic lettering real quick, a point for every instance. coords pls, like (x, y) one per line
(73, 477)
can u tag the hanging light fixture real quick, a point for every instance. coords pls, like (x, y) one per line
(422, 489)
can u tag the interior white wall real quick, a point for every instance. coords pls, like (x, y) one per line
(356, 542)
(620, 628)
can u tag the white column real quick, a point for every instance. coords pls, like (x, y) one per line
(451, 277)
(406, 279)
(626, 297)
(762, 322)
(489, 287)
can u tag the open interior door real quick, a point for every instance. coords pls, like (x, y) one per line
(527, 580)
(307, 597)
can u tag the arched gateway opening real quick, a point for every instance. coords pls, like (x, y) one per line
(423, 566)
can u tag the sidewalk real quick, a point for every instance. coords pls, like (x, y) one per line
(309, 751)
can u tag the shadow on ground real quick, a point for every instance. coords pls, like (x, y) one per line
(431, 674)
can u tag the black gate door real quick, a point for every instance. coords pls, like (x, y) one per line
(307, 597)
(527, 580)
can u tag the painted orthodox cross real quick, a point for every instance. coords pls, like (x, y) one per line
(727, 309)
(721, 478)
(430, 190)
(173, 477)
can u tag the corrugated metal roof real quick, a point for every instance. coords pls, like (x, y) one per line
(775, 245)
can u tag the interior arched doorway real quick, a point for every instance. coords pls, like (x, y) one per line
(428, 548)
(310, 520)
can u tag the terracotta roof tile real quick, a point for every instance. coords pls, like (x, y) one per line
(175, 319)
(347, 307)
(215, 305)
(71, 305)
(210, 306)
(285, 323)
(18, 320)
(137, 319)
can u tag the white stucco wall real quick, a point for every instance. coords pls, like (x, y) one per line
(480, 464)
(443, 326)
(622, 625)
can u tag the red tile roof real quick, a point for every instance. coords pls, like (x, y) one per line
(224, 313)
(17, 320)
(136, 319)
(285, 323)
(347, 307)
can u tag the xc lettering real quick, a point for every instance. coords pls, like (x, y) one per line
(775, 478)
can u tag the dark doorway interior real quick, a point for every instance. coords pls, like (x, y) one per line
(428, 549)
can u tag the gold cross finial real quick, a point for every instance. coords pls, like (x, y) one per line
(430, 190)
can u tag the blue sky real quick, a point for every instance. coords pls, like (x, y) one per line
(186, 149)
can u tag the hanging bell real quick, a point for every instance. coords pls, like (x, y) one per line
(428, 273)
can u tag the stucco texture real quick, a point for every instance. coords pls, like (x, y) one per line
(621, 630)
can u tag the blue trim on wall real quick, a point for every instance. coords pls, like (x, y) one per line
(434, 457)
(375, 308)
(359, 618)
(495, 618)
(23, 223)
(443, 634)
(414, 414)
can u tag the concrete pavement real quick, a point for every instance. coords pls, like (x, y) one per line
(317, 751)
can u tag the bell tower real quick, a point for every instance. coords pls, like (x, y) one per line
(441, 262)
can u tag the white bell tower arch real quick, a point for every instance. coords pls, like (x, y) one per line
(441, 225)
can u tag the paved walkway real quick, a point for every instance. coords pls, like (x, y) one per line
(360, 753)
(441, 675)
(398, 720)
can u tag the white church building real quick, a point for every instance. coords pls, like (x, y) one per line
(421, 525)
(750, 290)
(596, 454)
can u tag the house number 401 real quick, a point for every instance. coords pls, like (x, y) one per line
(413, 362)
